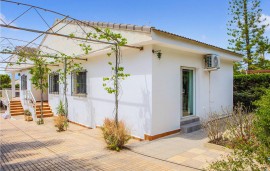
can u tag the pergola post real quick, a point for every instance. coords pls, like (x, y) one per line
(13, 89)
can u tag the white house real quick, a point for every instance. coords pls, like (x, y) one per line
(170, 88)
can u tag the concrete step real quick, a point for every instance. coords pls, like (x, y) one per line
(16, 110)
(44, 111)
(19, 103)
(17, 113)
(43, 106)
(191, 127)
(37, 107)
(15, 102)
(45, 115)
(14, 107)
(185, 121)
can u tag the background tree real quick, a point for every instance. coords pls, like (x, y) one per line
(245, 29)
(4, 81)
(262, 50)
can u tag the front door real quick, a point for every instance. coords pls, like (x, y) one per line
(187, 92)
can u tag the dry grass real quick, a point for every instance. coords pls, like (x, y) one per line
(116, 136)
(61, 123)
(224, 129)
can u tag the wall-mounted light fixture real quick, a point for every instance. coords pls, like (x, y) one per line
(158, 53)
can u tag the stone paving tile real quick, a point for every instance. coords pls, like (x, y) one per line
(186, 149)
(178, 159)
(28, 146)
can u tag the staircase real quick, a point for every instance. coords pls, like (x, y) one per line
(16, 108)
(47, 112)
(191, 124)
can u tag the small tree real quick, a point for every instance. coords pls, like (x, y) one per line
(115, 132)
(245, 28)
(111, 84)
(69, 66)
(39, 73)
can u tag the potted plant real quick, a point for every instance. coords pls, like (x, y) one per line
(27, 115)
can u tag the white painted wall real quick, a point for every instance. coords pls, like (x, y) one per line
(150, 102)
(31, 87)
(167, 97)
(135, 106)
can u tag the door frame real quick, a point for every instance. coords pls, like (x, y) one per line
(181, 91)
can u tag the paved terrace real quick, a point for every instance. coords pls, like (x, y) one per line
(28, 146)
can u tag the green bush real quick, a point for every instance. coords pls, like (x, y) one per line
(262, 124)
(249, 88)
(27, 113)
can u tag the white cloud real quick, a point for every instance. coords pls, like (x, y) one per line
(267, 21)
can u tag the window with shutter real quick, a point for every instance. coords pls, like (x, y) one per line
(54, 83)
(79, 86)
(24, 82)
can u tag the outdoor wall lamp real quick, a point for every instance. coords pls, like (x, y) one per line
(158, 53)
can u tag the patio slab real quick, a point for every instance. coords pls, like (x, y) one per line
(186, 149)
(28, 146)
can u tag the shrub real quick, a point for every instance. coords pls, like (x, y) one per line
(61, 109)
(60, 122)
(214, 126)
(238, 126)
(251, 152)
(249, 88)
(262, 122)
(40, 121)
(224, 128)
(27, 113)
(116, 136)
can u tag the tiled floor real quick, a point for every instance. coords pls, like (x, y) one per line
(185, 149)
(28, 146)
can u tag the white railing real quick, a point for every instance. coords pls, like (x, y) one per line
(31, 102)
(7, 95)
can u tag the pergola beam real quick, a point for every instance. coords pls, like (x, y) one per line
(66, 36)
(46, 56)
(24, 63)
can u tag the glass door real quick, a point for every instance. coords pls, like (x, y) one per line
(187, 92)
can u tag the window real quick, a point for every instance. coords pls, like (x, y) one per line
(54, 83)
(79, 83)
(24, 82)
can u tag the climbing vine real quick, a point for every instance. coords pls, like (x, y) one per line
(111, 84)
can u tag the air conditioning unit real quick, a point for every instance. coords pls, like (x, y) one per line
(211, 62)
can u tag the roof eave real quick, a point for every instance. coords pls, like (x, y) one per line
(240, 56)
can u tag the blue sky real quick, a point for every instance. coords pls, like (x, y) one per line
(203, 20)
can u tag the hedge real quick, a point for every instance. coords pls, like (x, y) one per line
(249, 88)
